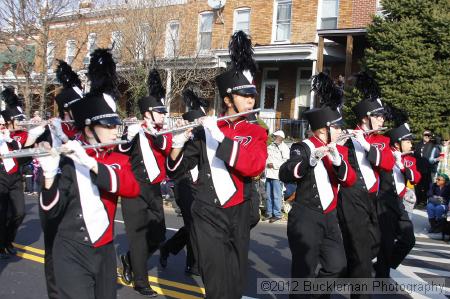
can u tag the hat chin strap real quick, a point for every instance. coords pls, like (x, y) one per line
(232, 103)
(94, 133)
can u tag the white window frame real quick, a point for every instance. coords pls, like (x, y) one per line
(236, 12)
(69, 58)
(142, 41)
(274, 22)
(265, 81)
(176, 42)
(379, 9)
(319, 14)
(200, 50)
(50, 55)
(299, 82)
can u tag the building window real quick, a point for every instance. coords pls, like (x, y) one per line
(242, 20)
(50, 54)
(70, 51)
(142, 41)
(91, 46)
(329, 14)
(117, 43)
(282, 29)
(205, 31)
(172, 39)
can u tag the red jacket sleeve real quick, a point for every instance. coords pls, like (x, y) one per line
(248, 159)
(410, 170)
(117, 178)
(345, 173)
(380, 154)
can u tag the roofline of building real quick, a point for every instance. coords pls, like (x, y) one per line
(342, 32)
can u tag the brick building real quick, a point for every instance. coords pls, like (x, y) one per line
(293, 39)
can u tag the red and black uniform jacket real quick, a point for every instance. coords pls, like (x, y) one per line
(63, 199)
(310, 181)
(19, 140)
(159, 148)
(243, 152)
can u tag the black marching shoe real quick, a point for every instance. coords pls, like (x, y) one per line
(126, 268)
(146, 291)
(3, 254)
(191, 271)
(163, 256)
(10, 249)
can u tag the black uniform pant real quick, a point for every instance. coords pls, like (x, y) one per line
(360, 232)
(222, 239)
(145, 227)
(49, 228)
(83, 271)
(184, 199)
(421, 189)
(397, 235)
(315, 238)
(12, 206)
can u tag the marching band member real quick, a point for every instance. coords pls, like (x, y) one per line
(11, 187)
(313, 228)
(397, 231)
(228, 154)
(368, 154)
(184, 197)
(81, 190)
(144, 215)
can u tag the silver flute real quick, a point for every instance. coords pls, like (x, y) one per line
(197, 124)
(40, 152)
(30, 123)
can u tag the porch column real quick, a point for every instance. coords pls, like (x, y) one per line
(319, 65)
(348, 58)
(169, 97)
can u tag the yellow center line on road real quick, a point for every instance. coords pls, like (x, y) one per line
(152, 279)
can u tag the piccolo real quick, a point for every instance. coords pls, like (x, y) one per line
(197, 124)
(408, 153)
(39, 152)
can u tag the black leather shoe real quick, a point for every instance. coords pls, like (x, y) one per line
(126, 268)
(3, 254)
(146, 291)
(163, 256)
(191, 271)
(11, 250)
(274, 219)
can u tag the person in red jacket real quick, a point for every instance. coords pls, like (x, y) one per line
(144, 215)
(368, 153)
(319, 166)
(81, 190)
(397, 231)
(227, 154)
(12, 201)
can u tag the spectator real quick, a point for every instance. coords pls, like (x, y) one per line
(435, 156)
(37, 177)
(438, 200)
(278, 153)
(422, 154)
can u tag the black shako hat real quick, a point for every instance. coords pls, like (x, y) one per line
(239, 79)
(13, 109)
(71, 91)
(95, 109)
(196, 106)
(157, 94)
(331, 97)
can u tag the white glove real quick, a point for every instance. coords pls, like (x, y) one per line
(334, 155)
(398, 159)
(56, 125)
(150, 127)
(316, 156)
(132, 131)
(210, 123)
(36, 131)
(78, 154)
(50, 163)
(5, 136)
(362, 140)
(180, 138)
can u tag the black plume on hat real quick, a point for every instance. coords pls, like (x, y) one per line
(66, 76)
(398, 116)
(330, 94)
(102, 73)
(155, 87)
(10, 97)
(367, 85)
(241, 52)
(192, 101)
